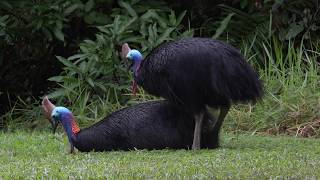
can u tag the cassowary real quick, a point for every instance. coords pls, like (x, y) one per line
(196, 73)
(149, 125)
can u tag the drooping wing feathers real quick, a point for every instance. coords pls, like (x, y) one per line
(199, 71)
(150, 125)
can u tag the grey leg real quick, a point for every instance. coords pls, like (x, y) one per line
(197, 131)
(214, 126)
(223, 113)
(213, 119)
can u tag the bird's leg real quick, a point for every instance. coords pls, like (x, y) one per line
(213, 119)
(216, 130)
(197, 131)
(71, 149)
(223, 113)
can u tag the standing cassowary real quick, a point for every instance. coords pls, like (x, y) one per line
(196, 73)
(150, 125)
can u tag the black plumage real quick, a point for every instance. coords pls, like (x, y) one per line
(196, 73)
(149, 125)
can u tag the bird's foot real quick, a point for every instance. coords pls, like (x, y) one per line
(195, 146)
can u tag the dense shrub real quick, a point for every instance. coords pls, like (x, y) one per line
(95, 75)
(32, 33)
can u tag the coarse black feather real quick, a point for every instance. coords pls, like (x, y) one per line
(195, 72)
(149, 125)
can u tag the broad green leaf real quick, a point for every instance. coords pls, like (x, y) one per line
(63, 91)
(149, 14)
(4, 18)
(151, 35)
(67, 63)
(89, 5)
(59, 24)
(132, 39)
(58, 33)
(90, 81)
(116, 24)
(70, 9)
(162, 21)
(294, 30)
(180, 17)
(126, 25)
(188, 33)
(58, 93)
(143, 29)
(56, 78)
(172, 18)
(77, 56)
(83, 68)
(152, 14)
(165, 35)
(129, 9)
(101, 86)
(223, 25)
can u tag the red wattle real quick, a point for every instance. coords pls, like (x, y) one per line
(75, 126)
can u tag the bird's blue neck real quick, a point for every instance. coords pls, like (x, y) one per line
(71, 127)
(136, 67)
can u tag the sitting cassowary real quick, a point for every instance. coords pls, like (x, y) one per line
(149, 125)
(196, 73)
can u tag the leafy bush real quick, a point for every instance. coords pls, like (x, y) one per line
(32, 33)
(97, 74)
(290, 19)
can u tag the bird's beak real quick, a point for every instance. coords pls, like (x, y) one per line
(131, 66)
(54, 126)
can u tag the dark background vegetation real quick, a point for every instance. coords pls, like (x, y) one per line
(74, 44)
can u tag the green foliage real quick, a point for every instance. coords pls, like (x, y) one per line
(290, 19)
(296, 19)
(32, 33)
(44, 156)
(97, 70)
(47, 18)
(93, 68)
(292, 81)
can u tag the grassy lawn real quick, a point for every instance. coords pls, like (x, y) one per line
(39, 154)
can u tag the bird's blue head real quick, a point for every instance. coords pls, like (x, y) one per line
(136, 57)
(65, 117)
(60, 114)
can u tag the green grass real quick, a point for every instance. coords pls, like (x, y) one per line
(43, 155)
(291, 84)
